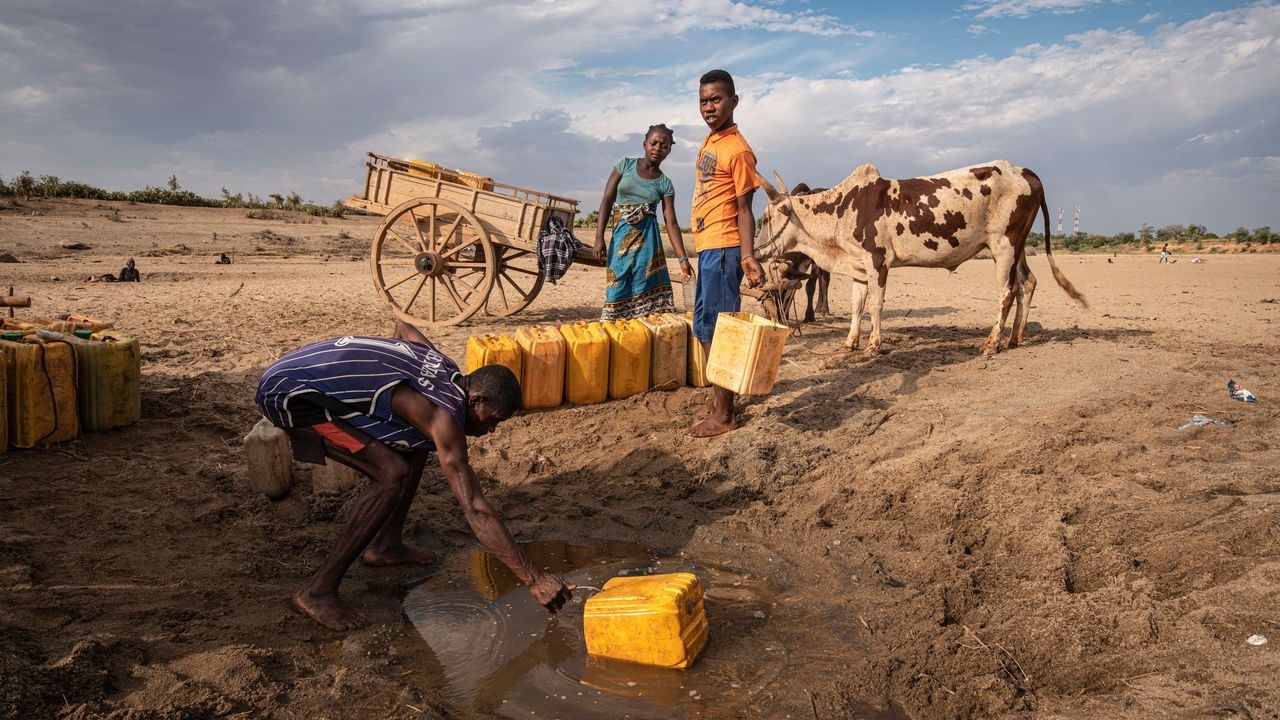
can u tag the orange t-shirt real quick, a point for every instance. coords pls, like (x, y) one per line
(726, 169)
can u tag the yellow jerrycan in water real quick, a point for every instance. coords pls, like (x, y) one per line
(109, 382)
(269, 459)
(542, 352)
(41, 390)
(650, 619)
(586, 362)
(696, 359)
(668, 358)
(629, 348)
(493, 350)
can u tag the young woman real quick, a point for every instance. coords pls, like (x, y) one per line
(638, 282)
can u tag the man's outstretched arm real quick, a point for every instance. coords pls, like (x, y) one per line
(489, 529)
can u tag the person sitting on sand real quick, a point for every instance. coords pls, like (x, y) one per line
(129, 273)
(223, 260)
(399, 399)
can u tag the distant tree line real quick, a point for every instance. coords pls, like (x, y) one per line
(1150, 238)
(26, 186)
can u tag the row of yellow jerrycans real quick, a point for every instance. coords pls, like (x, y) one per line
(54, 384)
(590, 362)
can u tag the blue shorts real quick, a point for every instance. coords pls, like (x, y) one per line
(719, 282)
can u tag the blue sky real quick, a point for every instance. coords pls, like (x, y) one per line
(1138, 111)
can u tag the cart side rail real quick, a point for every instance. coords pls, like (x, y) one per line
(513, 215)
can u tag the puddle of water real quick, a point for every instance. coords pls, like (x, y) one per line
(501, 652)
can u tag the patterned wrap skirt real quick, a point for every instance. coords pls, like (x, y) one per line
(637, 277)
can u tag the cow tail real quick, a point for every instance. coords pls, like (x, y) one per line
(1063, 282)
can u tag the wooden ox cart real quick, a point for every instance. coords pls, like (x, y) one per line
(454, 243)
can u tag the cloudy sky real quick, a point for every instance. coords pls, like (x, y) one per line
(1140, 111)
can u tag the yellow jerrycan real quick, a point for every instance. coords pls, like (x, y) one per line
(109, 383)
(586, 362)
(629, 349)
(542, 352)
(41, 390)
(668, 358)
(493, 350)
(745, 353)
(649, 619)
(22, 327)
(696, 359)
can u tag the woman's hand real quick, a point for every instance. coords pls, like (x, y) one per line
(599, 249)
(686, 270)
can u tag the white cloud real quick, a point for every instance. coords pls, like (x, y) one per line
(1026, 8)
(1149, 18)
(1220, 136)
(979, 30)
(1233, 169)
(1102, 111)
(681, 16)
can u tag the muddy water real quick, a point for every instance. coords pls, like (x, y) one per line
(502, 653)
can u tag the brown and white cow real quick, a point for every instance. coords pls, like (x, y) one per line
(783, 277)
(868, 224)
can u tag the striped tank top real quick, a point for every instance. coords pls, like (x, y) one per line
(352, 378)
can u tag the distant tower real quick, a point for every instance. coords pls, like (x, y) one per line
(1075, 227)
(1059, 219)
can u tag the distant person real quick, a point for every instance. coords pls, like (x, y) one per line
(129, 273)
(224, 260)
(723, 228)
(636, 266)
(399, 399)
(1164, 254)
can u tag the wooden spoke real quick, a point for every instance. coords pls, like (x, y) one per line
(403, 280)
(470, 287)
(431, 229)
(444, 236)
(417, 230)
(407, 245)
(442, 231)
(512, 297)
(414, 296)
(453, 293)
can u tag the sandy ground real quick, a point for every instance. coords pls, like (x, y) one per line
(1025, 536)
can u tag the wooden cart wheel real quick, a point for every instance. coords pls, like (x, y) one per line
(432, 262)
(516, 283)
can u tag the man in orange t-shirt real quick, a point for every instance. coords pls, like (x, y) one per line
(723, 228)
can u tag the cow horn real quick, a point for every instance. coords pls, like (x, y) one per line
(781, 185)
(769, 190)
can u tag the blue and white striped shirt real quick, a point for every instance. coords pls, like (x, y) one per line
(352, 378)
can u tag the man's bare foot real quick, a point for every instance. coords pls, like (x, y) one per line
(330, 611)
(713, 426)
(397, 555)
